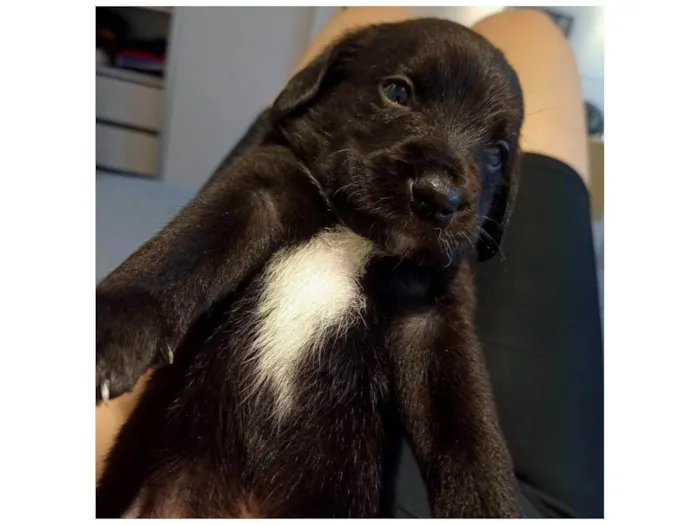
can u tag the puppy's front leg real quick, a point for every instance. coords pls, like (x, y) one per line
(442, 388)
(145, 307)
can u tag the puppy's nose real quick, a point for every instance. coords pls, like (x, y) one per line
(435, 198)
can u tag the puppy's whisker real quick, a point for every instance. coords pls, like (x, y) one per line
(342, 188)
(551, 108)
(339, 151)
(469, 239)
(355, 193)
(449, 263)
(500, 250)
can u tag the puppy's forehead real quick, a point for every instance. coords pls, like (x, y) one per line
(441, 58)
(416, 42)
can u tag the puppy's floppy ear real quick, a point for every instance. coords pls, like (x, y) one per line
(303, 86)
(500, 198)
(308, 83)
(498, 195)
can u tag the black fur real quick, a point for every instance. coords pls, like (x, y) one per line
(330, 150)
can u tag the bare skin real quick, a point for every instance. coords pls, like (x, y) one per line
(555, 118)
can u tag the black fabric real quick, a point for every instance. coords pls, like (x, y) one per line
(539, 322)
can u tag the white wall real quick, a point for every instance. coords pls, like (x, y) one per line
(588, 42)
(322, 15)
(227, 64)
(128, 212)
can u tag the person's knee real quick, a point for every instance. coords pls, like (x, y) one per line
(535, 18)
(545, 63)
(530, 20)
(531, 27)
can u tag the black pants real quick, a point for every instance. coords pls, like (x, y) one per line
(539, 323)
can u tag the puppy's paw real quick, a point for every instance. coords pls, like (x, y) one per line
(131, 337)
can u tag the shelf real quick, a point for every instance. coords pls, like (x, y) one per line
(130, 76)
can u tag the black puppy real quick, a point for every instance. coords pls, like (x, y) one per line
(320, 288)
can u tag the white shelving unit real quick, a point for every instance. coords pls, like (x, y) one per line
(128, 75)
(130, 105)
(224, 65)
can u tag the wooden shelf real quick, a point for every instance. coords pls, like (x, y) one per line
(130, 76)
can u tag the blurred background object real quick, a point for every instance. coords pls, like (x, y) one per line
(178, 86)
(130, 117)
(131, 63)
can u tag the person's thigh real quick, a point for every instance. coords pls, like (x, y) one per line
(555, 118)
(109, 418)
(538, 320)
(538, 315)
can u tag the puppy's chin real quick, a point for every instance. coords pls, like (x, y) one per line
(424, 251)
(418, 247)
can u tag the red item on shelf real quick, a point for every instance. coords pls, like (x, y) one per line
(134, 54)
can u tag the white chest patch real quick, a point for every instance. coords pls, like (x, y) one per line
(310, 294)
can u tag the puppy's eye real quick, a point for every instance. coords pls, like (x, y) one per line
(496, 156)
(398, 92)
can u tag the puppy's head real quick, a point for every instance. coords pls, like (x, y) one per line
(411, 131)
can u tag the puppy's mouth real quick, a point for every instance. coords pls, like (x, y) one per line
(413, 211)
(435, 247)
(402, 230)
